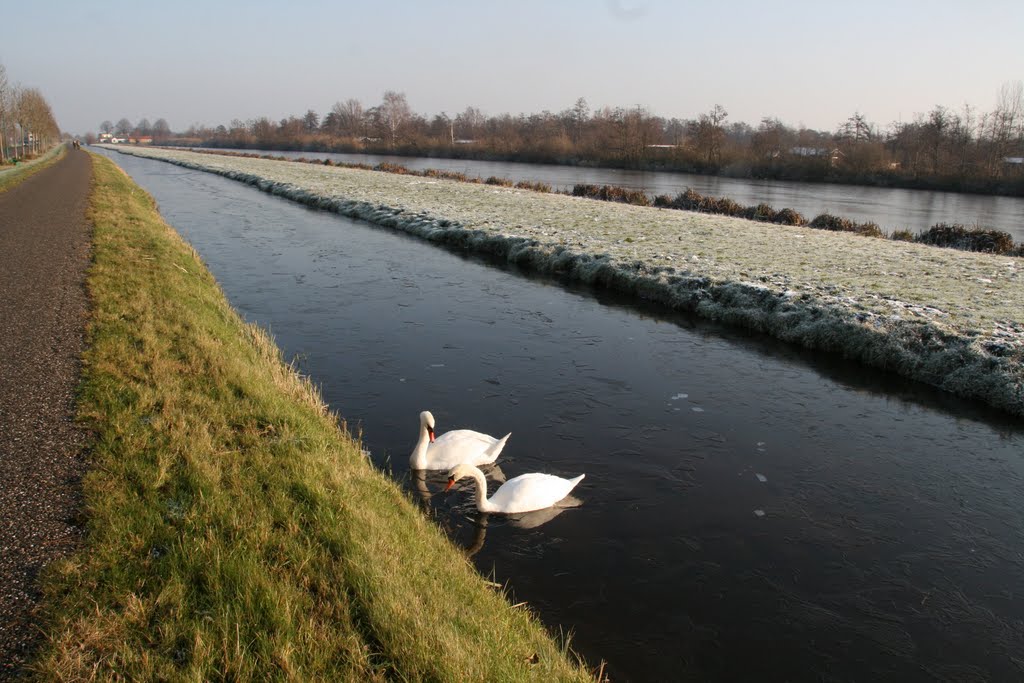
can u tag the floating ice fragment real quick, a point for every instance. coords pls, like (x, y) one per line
(760, 444)
(759, 512)
(697, 409)
(761, 478)
(679, 396)
(437, 365)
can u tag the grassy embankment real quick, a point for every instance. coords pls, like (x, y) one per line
(235, 532)
(9, 177)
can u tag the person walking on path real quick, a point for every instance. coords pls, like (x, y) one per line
(44, 253)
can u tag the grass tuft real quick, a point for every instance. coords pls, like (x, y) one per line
(957, 236)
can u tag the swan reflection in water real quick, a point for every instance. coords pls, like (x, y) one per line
(439, 478)
(523, 520)
(427, 483)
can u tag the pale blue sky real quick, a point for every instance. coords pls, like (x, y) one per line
(211, 61)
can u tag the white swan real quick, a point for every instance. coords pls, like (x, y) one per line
(525, 493)
(452, 448)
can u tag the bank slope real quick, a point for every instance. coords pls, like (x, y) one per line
(235, 532)
(9, 177)
(945, 317)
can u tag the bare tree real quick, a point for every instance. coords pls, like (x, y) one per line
(445, 123)
(393, 115)
(262, 129)
(470, 123)
(106, 127)
(963, 139)
(4, 111)
(860, 144)
(1005, 125)
(771, 140)
(934, 132)
(161, 130)
(346, 118)
(38, 128)
(123, 127)
(709, 133)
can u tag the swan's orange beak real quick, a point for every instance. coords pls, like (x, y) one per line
(451, 483)
(430, 432)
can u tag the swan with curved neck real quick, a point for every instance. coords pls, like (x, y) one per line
(452, 448)
(525, 493)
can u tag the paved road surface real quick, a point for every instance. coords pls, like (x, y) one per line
(44, 253)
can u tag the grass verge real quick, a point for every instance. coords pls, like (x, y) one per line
(17, 174)
(235, 532)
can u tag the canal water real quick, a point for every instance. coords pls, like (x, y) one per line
(892, 209)
(751, 511)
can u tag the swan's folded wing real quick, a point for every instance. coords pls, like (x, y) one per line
(464, 446)
(460, 446)
(534, 491)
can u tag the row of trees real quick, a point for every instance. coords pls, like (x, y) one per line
(160, 130)
(964, 149)
(27, 125)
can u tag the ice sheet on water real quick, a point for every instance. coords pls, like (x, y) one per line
(679, 396)
(761, 478)
(697, 409)
(759, 512)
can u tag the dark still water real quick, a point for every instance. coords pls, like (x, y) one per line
(893, 209)
(750, 511)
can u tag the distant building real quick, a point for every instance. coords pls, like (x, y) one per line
(834, 155)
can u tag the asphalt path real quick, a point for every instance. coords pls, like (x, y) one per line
(44, 254)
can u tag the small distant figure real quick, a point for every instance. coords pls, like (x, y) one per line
(76, 144)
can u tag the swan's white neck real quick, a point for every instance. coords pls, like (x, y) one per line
(482, 504)
(418, 461)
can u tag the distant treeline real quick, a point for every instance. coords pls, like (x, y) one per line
(967, 150)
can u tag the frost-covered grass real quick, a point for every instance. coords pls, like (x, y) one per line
(950, 318)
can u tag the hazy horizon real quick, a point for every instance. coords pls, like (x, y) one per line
(801, 62)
